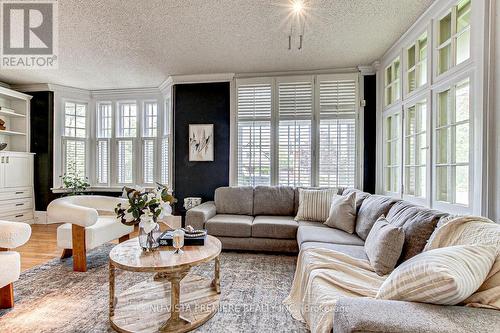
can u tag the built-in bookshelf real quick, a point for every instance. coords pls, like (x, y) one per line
(14, 111)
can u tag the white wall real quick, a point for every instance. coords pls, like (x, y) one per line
(495, 118)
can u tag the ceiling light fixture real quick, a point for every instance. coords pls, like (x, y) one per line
(297, 7)
(297, 21)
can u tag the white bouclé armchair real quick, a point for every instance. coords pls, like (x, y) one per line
(89, 221)
(12, 235)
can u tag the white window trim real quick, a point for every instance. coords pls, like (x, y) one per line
(418, 90)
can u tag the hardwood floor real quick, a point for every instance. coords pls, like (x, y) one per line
(42, 246)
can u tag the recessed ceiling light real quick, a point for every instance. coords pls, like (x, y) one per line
(297, 6)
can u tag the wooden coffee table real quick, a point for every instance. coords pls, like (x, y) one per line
(164, 304)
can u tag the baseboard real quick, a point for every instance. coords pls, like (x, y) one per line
(40, 217)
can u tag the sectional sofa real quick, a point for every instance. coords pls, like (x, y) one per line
(262, 219)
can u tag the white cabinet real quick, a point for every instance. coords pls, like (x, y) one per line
(16, 187)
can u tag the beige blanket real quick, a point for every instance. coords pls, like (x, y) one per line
(469, 230)
(322, 276)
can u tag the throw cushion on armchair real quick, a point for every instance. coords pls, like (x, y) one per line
(343, 213)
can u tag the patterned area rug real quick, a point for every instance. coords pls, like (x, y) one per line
(53, 298)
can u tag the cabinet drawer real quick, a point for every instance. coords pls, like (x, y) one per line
(21, 216)
(22, 192)
(15, 205)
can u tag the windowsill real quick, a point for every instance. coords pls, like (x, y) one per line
(89, 190)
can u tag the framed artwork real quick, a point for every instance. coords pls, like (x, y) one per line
(201, 142)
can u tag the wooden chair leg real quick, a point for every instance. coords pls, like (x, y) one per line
(66, 253)
(124, 238)
(79, 249)
(7, 296)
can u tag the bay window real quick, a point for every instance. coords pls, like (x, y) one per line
(74, 139)
(297, 131)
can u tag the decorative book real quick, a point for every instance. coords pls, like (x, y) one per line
(198, 239)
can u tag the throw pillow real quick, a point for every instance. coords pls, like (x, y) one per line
(383, 246)
(343, 213)
(444, 276)
(314, 205)
(371, 209)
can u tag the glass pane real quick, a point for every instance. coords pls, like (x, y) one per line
(442, 145)
(410, 150)
(395, 127)
(412, 84)
(395, 180)
(422, 73)
(388, 179)
(410, 121)
(69, 108)
(463, 47)
(410, 180)
(462, 143)
(445, 29)
(422, 151)
(422, 117)
(462, 102)
(395, 91)
(396, 70)
(388, 96)
(463, 15)
(80, 110)
(421, 179)
(411, 57)
(388, 75)
(443, 100)
(462, 185)
(442, 184)
(444, 59)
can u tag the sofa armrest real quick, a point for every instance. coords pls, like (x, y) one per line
(13, 234)
(371, 315)
(63, 211)
(197, 216)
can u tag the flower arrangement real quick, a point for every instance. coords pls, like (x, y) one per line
(73, 182)
(145, 208)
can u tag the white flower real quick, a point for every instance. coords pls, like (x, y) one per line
(166, 210)
(157, 193)
(151, 196)
(128, 216)
(147, 222)
(138, 188)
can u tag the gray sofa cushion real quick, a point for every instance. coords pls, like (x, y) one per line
(322, 233)
(273, 200)
(282, 227)
(343, 213)
(383, 246)
(418, 224)
(230, 225)
(234, 200)
(360, 196)
(371, 209)
(355, 251)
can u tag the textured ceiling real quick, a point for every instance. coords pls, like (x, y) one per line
(138, 43)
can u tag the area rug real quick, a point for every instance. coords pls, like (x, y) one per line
(53, 298)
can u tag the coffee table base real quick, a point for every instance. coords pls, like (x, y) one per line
(145, 307)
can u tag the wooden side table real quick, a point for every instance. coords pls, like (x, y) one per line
(175, 301)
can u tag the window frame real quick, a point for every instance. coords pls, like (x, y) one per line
(395, 110)
(418, 89)
(393, 81)
(65, 138)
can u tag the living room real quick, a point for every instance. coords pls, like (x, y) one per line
(250, 166)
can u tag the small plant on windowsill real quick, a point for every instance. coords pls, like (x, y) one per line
(73, 182)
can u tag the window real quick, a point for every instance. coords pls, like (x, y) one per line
(392, 82)
(104, 125)
(74, 139)
(149, 133)
(453, 145)
(416, 67)
(254, 134)
(392, 152)
(295, 122)
(164, 151)
(415, 149)
(453, 40)
(283, 122)
(337, 132)
(127, 120)
(125, 162)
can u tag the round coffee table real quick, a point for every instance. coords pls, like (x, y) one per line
(164, 304)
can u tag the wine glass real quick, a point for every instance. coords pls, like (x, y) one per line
(178, 241)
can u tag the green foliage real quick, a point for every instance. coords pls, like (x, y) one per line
(73, 182)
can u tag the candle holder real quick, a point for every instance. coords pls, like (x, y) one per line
(178, 241)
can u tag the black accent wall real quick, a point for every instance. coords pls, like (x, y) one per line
(42, 144)
(370, 134)
(204, 103)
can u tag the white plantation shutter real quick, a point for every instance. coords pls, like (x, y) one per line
(254, 134)
(125, 161)
(164, 161)
(148, 149)
(337, 130)
(294, 132)
(102, 161)
(75, 159)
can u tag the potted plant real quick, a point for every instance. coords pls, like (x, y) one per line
(73, 182)
(144, 208)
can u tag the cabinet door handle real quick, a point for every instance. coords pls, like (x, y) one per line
(20, 204)
(21, 215)
(3, 159)
(7, 159)
(19, 192)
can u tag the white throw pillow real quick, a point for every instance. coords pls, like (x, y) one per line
(314, 204)
(342, 213)
(445, 276)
